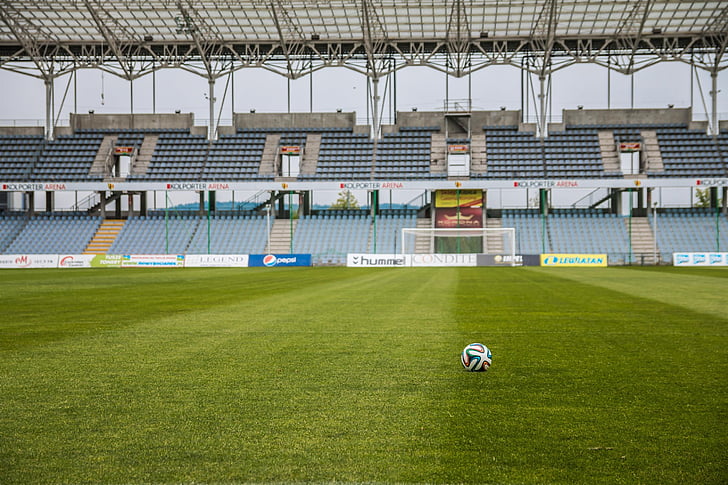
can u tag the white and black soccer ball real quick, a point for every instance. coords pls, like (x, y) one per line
(476, 358)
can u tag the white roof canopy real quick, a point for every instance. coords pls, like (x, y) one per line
(131, 38)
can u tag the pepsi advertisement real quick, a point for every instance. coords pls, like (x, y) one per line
(273, 260)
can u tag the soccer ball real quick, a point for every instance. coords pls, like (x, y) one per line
(476, 358)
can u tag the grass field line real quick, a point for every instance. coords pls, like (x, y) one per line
(701, 293)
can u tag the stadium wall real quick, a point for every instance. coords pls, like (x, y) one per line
(627, 116)
(123, 121)
(294, 120)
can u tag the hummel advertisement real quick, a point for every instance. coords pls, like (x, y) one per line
(375, 260)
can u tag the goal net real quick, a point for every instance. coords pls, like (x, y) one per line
(497, 242)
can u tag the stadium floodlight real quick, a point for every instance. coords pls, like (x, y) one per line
(499, 242)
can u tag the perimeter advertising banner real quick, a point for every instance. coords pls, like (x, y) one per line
(505, 260)
(14, 261)
(272, 260)
(152, 261)
(462, 198)
(581, 260)
(216, 261)
(700, 259)
(441, 259)
(375, 260)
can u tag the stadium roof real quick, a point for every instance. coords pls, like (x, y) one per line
(295, 37)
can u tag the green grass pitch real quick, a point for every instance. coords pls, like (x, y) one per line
(614, 375)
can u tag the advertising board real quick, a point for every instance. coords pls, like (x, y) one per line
(459, 198)
(375, 260)
(582, 260)
(216, 261)
(274, 260)
(15, 261)
(700, 259)
(505, 260)
(152, 260)
(444, 259)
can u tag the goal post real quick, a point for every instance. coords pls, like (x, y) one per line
(499, 241)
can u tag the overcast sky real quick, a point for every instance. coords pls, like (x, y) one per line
(334, 88)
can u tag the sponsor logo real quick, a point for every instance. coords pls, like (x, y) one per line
(23, 186)
(682, 258)
(371, 185)
(269, 260)
(22, 261)
(700, 259)
(66, 261)
(545, 184)
(715, 182)
(447, 259)
(187, 186)
(377, 261)
(573, 260)
(458, 148)
(54, 187)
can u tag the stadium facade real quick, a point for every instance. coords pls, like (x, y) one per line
(616, 160)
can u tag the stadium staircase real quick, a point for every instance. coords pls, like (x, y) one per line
(423, 242)
(101, 164)
(270, 154)
(478, 157)
(280, 237)
(105, 236)
(144, 157)
(608, 148)
(494, 241)
(653, 157)
(311, 154)
(438, 154)
(643, 241)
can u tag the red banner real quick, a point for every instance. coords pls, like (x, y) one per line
(630, 147)
(468, 217)
(290, 150)
(123, 150)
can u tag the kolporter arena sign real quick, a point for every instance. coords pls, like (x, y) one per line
(573, 260)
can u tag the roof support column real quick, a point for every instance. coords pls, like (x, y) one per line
(375, 108)
(49, 101)
(212, 133)
(542, 108)
(714, 124)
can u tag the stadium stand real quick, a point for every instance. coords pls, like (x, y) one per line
(689, 230)
(67, 158)
(572, 153)
(188, 234)
(389, 229)
(329, 237)
(17, 155)
(50, 233)
(570, 231)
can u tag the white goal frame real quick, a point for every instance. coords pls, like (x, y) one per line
(509, 244)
